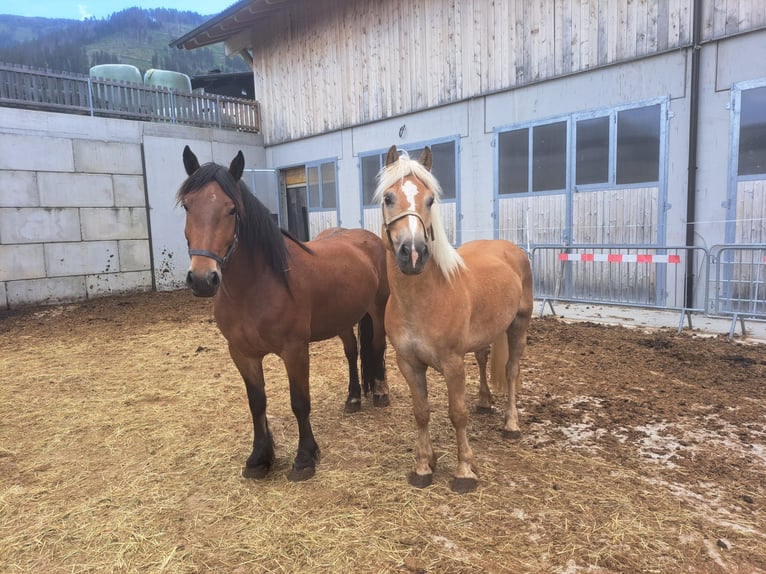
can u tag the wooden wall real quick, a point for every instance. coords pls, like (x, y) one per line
(330, 64)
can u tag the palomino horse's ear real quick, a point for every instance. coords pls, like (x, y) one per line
(191, 163)
(237, 166)
(426, 158)
(392, 156)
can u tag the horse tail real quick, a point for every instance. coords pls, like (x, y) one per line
(498, 359)
(367, 354)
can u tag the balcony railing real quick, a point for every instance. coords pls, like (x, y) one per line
(79, 94)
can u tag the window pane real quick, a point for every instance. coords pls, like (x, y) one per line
(370, 168)
(444, 168)
(752, 132)
(328, 186)
(312, 183)
(549, 156)
(592, 149)
(513, 148)
(638, 145)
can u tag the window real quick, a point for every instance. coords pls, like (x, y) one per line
(638, 145)
(514, 161)
(321, 186)
(370, 167)
(444, 169)
(752, 132)
(592, 151)
(549, 154)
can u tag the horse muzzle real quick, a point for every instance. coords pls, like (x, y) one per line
(411, 257)
(203, 284)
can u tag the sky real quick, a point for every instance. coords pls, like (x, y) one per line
(79, 10)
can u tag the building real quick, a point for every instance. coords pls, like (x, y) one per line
(563, 122)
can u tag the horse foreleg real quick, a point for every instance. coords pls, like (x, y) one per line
(296, 361)
(517, 342)
(465, 478)
(425, 460)
(485, 397)
(261, 459)
(350, 348)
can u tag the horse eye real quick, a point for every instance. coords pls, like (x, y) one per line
(233, 211)
(388, 199)
(430, 201)
(186, 207)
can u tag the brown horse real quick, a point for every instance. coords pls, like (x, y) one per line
(274, 294)
(445, 303)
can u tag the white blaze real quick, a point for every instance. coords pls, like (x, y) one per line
(410, 192)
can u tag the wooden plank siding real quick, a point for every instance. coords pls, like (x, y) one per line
(333, 64)
(751, 205)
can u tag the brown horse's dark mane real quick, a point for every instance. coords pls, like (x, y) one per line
(257, 230)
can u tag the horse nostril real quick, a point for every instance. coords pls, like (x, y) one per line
(189, 278)
(215, 279)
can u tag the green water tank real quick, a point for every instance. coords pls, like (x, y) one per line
(166, 79)
(116, 72)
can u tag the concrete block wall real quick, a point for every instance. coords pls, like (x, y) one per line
(77, 216)
(73, 219)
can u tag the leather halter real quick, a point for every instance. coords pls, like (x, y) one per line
(222, 261)
(429, 232)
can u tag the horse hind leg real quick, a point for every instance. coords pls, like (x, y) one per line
(354, 398)
(372, 342)
(517, 342)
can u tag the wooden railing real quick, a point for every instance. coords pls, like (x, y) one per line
(73, 93)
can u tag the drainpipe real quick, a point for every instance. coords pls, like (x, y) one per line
(691, 192)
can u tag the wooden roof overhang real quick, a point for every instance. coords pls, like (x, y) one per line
(235, 19)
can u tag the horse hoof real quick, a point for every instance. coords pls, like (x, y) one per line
(381, 400)
(301, 474)
(420, 480)
(511, 434)
(482, 410)
(258, 472)
(353, 406)
(463, 485)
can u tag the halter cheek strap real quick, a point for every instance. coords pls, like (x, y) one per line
(222, 261)
(387, 224)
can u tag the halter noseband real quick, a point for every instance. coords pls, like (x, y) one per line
(222, 261)
(429, 232)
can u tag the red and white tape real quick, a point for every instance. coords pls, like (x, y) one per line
(620, 258)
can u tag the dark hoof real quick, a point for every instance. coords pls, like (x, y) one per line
(420, 480)
(483, 410)
(259, 471)
(301, 474)
(353, 406)
(463, 485)
(511, 435)
(381, 400)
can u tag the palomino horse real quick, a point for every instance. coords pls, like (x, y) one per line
(274, 294)
(445, 303)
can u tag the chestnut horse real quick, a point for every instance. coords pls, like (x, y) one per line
(274, 294)
(445, 303)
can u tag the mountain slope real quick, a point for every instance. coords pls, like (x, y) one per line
(133, 36)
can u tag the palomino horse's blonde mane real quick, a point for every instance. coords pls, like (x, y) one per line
(446, 258)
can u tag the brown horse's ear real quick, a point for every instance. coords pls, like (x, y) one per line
(237, 166)
(191, 163)
(426, 158)
(392, 156)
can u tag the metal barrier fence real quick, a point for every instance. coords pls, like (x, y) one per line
(73, 93)
(738, 287)
(627, 275)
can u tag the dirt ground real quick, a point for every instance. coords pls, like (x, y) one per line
(124, 426)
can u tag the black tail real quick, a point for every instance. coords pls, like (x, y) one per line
(367, 354)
